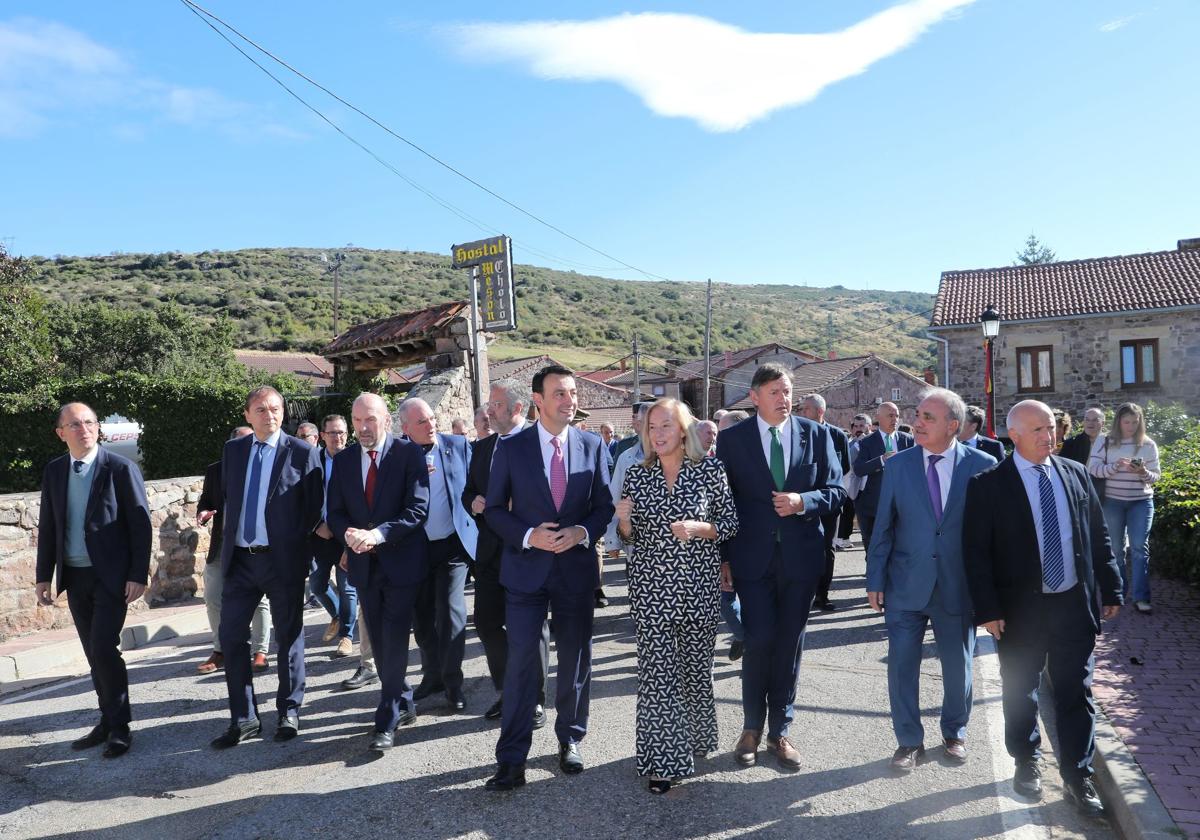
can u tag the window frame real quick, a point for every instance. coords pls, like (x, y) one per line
(1137, 344)
(1034, 351)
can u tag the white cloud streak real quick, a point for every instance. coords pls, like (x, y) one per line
(1117, 23)
(687, 66)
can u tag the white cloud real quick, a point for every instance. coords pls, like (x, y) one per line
(1116, 23)
(721, 76)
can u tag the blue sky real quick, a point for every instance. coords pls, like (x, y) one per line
(673, 137)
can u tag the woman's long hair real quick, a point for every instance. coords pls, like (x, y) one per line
(1139, 434)
(692, 449)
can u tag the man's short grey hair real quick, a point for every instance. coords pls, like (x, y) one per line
(956, 409)
(816, 400)
(862, 418)
(407, 405)
(609, 426)
(514, 392)
(975, 415)
(310, 427)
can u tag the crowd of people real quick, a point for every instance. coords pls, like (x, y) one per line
(735, 518)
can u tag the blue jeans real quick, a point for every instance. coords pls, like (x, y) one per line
(1133, 517)
(731, 611)
(340, 601)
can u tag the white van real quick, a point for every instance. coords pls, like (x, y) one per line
(120, 435)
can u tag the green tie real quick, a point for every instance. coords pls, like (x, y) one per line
(776, 459)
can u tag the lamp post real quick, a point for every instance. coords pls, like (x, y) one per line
(990, 321)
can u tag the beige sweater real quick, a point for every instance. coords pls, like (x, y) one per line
(1123, 484)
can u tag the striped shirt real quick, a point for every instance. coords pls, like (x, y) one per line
(1128, 486)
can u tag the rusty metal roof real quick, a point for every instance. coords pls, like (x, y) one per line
(403, 328)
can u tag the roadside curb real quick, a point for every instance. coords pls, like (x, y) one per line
(1135, 809)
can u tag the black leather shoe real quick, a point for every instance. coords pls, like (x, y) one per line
(508, 777)
(427, 689)
(289, 727)
(236, 733)
(95, 738)
(539, 716)
(1027, 781)
(382, 741)
(827, 606)
(456, 700)
(601, 599)
(569, 759)
(494, 711)
(1082, 795)
(407, 718)
(363, 676)
(118, 743)
(736, 649)
(906, 759)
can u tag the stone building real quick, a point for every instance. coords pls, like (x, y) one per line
(1076, 334)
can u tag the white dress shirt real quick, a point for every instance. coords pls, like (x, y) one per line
(944, 468)
(365, 460)
(545, 438)
(1029, 477)
(264, 488)
(785, 440)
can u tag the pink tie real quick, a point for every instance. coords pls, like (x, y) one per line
(558, 475)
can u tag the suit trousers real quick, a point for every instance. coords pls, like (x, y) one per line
(99, 616)
(260, 627)
(388, 612)
(774, 614)
(1056, 634)
(440, 614)
(250, 577)
(865, 524)
(526, 614)
(339, 599)
(829, 526)
(955, 638)
(489, 625)
(846, 523)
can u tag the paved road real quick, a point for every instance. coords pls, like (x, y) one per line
(326, 783)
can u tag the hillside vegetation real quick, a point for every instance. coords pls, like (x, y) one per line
(281, 299)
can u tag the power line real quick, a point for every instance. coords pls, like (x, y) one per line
(202, 13)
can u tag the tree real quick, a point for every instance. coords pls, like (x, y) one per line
(26, 345)
(1035, 253)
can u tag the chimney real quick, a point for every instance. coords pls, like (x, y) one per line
(832, 355)
(1189, 244)
(930, 376)
(728, 357)
(623, 368)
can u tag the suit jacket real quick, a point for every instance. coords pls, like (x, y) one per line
(518, 499)
(869, 466)
(841, 445)
(992, 447)
(116, 525)
(1003, 564)
(813, 472)
(293, 507)
(1078, 448)
(211, 499)
(489, 544)
(456, 462)
(911, 551)
(399, 511)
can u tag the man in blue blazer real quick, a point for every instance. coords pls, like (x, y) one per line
(94, 539)
(915, 571)
(440, 619)
(548, 501)
(378, 503)
(273, 488)
(785, 476)
(874, 451)
(970, 434)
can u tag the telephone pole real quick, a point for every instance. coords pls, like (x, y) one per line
(707, 340)
(637, 372)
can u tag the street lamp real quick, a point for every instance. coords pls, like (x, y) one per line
(990, 320)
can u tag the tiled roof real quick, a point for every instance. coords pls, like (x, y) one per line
(722, 362)
(315, 369)
(620, 416)
(1136, 282)
(601, 375)
(815, 377)
(510, 367)
(403, 328)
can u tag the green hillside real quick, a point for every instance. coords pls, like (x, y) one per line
(281, 299)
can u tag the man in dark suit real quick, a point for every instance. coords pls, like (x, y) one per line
(378, 504)
(812, 406)
(785, 476)
(873, 452)
(94, 539)
(1038, 561)
(548, 500)
(969, 435)
(440, 617)
(273, 495)
(1079, 448)
(339, 598)
(507, 405)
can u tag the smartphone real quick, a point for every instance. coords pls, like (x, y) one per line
(1137, 463)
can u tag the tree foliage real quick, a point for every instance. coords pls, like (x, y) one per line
(1175, 538)
(26, 345)
(1034, 253)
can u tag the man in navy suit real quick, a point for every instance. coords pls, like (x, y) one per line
(875, 450)
(440, 620)
(915, 567)
(785, 476)
(1039, 561)
(378, 503)
(273, 495)
(812, 406)
(548, 500)
(969, 434)
(94, 538)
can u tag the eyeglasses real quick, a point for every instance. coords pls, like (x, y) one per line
(336, 433)
(80, 424)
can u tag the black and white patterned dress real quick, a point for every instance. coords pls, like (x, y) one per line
(674, 599)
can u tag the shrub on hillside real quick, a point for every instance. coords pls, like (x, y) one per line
(1175, 538)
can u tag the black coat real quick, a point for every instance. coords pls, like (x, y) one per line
(487, 550)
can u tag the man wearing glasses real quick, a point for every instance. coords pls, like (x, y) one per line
(94, 539)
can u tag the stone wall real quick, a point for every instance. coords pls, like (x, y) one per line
(870, 385)
(1086, 361)
(176, 561)
(448, 393)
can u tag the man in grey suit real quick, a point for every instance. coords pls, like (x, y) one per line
(915, 568)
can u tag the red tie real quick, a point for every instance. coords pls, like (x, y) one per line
(372, 474)
(558, 475)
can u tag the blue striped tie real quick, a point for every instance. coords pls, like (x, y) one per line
(1053, 570)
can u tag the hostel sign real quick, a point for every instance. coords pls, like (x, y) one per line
(490, 261)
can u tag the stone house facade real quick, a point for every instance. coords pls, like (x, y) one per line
(1095, 332)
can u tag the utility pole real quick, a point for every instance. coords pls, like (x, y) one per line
(336, 269)
(829, 339)
(637, 372)
(707, 340)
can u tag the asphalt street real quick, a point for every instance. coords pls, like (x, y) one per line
(326, 783)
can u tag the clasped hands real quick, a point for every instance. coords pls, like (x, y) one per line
(360, 540)
(549, 537)
(787, 504)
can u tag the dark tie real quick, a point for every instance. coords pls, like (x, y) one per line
(250, 514)
(372, 475)
(777, 471)
(78, 465)
(1053, 571)
(935, 486)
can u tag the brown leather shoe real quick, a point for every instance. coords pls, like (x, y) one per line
(214, 663)
(331, 631)
(906, 759)
(260, 663)
(956, 750)
(745, 751)
(785, 753)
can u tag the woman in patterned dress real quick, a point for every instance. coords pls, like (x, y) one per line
(676, 509)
